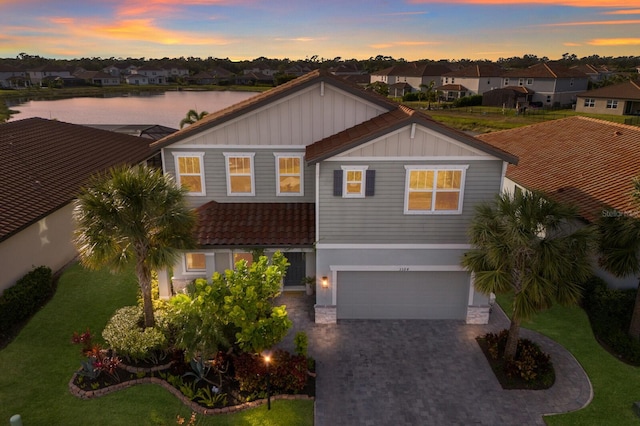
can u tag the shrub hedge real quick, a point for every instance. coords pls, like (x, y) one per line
(609, 311)
(25, 298)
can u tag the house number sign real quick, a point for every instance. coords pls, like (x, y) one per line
(403, 268)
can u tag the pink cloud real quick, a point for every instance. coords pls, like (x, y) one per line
(573, 3)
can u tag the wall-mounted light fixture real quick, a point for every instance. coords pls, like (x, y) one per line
(325, 282)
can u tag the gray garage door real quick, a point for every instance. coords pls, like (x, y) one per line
(402, 295)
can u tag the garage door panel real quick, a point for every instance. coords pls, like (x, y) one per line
(402, 295)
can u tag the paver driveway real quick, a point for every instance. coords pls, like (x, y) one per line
(424, 373)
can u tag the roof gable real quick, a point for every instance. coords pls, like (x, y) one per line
(316, 79)
(47, 162)
(392, 122)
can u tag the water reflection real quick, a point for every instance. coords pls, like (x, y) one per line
(166, 109)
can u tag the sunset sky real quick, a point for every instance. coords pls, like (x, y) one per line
(299, 29)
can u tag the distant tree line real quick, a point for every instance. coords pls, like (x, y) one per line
(195, 65)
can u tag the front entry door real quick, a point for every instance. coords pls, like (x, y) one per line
(296, 271)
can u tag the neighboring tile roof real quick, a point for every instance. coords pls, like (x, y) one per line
(44, 164)
(628, 90)
(389, 122)
(255, 224)
(477, 71)
(452, 88)
(579, 160)
(414, 69)
(264, 98)
(546, 70)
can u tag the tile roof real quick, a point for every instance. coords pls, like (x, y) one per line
(255, 224)
(385, 123)
(546, 70)
(46, 162)
(583, 161)
(477, 71)
(264, 98)
(453, 88)
(628, 90)
(414, 69)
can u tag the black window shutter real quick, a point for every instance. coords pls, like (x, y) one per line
(337, 183)
(370, 185)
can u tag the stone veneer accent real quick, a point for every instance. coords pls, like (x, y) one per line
(76, 391)
(326, 314)
(478, 314)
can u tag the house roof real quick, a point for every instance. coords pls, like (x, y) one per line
(453, 88)
(578, 160)
(546, 70)
(46, 162)
(484, 69)
(415, 69)
(628, 90)
(396, 119)
(264, 98)
(255, 224)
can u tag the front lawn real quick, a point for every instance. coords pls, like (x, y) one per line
(38, 364)
(616, 385)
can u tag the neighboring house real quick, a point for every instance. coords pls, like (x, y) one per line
(136, 79)
(413, 74)
(253, 78)
(154, 74)
(550, 83)
(13, 78)
(98, 78)
(45, 163)
(119, 70)
(176, 72)
(577, 160)
(595, 73)
(398, 90)
(474, 79)
(47, 72)
(617, 99)
(370, 197)
(214, 76)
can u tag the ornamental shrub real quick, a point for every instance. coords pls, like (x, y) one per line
(25, 297)
(124, 334)
(288, 373)
(609, 311)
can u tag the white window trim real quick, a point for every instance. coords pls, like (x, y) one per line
(612, 104)
(250, 155)
(186, 271)
(298, 155)
(200, 155)
(363, 185)
(457, 167)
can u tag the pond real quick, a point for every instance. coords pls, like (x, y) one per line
(163, 108)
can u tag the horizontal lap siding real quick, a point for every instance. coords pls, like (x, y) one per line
(380, 219)
(265, 178)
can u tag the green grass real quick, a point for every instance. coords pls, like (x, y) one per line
(38, 364)
(616, 385)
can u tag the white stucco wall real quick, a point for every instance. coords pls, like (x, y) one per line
(47, 242)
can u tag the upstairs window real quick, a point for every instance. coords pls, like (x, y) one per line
(506, 81)
(190, 171)
(529, 81)
(289, 179)
(354, 182)
(434, 190)
(240, 177)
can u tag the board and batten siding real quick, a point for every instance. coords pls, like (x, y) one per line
(381, 219)
(300, 119)
(264, 170)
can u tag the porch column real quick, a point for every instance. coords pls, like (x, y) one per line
(164, 284)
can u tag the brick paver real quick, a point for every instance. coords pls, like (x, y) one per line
(423, 372)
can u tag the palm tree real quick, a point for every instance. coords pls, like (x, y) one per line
(619, 247)
(134, 215)
(429, 92)
(522, 244)
(192, 116)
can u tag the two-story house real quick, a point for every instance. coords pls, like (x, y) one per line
(11, 77)
(474, 79)
(154, 74)
(548, 83)
(40, 74)
(412, 76)
(370, 197)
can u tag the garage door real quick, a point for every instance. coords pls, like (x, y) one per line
(402, 295)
